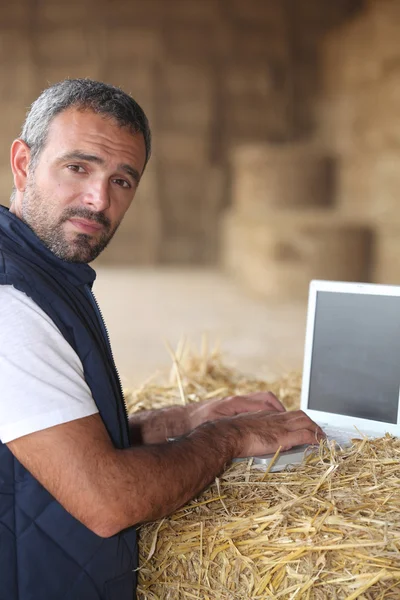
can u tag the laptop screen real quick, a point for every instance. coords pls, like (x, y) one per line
(355, 364)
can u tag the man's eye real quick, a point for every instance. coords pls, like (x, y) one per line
(76, 168)
(122, 183)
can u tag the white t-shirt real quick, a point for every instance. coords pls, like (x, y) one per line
(42, 382)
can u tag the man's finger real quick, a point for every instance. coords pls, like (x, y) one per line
(300, 437)
(295, 421)
(296, 416)
(302, 421)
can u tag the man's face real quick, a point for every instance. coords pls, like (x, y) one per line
(83, 183)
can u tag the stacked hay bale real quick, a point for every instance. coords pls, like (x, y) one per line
(359, 121)
(329, 528)
(368, 187)
(282, 230)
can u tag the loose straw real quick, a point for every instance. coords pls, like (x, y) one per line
(326, 529)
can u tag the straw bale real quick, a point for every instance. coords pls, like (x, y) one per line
(383, 125)
(192, 196)
(137, 79)
(175, 147)
(57, 12)
(192, 199)
(185, 39)
(374, 129)
(250, 44)
(277, 256)
(187, 92)
(10, 37)
(133, 12)
(126, 44)
(16, 80)
(328, 528)
(348, 60)
(270, 14)
(184, 247)
(385, 16)
(268, 176)
(360, 63)
(336, 113)
(359, 54)
(368, 187)
(67, 46)
(15, 14)
(12, 117)
(192, 11)
(386, 264)
(254, 85)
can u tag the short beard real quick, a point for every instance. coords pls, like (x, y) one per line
(39, 213)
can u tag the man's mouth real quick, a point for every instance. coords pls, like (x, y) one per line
(86, 226)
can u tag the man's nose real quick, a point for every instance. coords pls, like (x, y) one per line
(97, 196)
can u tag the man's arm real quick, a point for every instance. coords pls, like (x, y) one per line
(157, 426)
(109, 489)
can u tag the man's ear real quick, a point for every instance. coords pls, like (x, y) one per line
(20, 157)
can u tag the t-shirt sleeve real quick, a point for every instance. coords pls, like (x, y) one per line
(41, 376)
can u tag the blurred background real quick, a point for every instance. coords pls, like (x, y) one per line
(276, 154)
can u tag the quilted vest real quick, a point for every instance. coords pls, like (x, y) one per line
(45, 553)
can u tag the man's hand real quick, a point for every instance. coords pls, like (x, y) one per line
(210, 410)
(264, 432)
(156, 426)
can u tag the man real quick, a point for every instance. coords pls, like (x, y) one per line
(75, 474)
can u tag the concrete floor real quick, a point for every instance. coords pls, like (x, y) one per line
(143, 308)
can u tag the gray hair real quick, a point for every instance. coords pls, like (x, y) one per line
(84, 94)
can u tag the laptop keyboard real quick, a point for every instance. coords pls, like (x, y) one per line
(341, 436)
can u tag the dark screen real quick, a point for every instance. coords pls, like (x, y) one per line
(355, 367)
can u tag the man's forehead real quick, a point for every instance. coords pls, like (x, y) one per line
(78, 120)
(83, 128)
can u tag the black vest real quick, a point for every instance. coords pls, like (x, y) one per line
(45, 553)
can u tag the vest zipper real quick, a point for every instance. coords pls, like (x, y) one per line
(107, 336)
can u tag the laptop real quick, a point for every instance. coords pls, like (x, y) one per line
(351, 373)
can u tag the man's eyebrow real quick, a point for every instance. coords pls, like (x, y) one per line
(134, 173)
(79, 155)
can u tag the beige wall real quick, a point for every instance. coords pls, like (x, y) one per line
(210, 74)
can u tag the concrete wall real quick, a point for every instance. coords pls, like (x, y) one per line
(211, 74)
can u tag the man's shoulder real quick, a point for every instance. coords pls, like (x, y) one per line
(20, 311)
(15, 297)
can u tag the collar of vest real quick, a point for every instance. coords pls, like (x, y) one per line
(16, 232)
